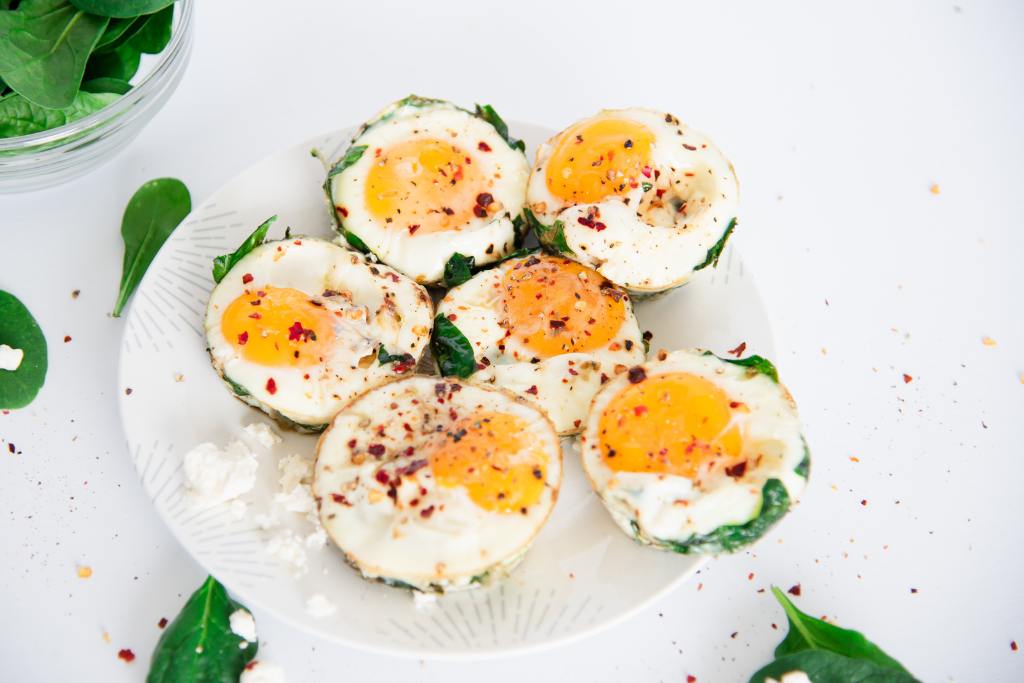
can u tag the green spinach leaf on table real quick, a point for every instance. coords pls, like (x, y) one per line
(199, 645)
(18, 116)
(458, 269)
(44, 47)
(152, 214)
(222, 265)
(828, 653)
(19, 330)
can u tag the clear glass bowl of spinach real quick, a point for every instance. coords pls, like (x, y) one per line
(122, 87)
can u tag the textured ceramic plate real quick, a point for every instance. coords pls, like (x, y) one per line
(582, 573)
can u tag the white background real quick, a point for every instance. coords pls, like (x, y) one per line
(838, 120)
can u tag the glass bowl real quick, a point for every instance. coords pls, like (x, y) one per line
(51, 157)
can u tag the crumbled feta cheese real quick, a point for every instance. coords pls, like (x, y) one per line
(421, 599)
(262, 433)
(267, 521)
(243, 625)
(258, 671)
(317, 539)
(216, 476)
(10, 359)
(319, 607)
(296, 475)
(288, 547)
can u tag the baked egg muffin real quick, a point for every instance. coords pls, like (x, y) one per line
(425, 180)
(640, 197)
(694, 453)
(435, 484)
(544, 327)
(299, 327)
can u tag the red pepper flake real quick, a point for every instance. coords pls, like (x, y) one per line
(242, 338)
(127, 655)
(351, 443)
(376, 449)
(913, 590)
(340, 499)
(483, 146)
(637, 374)
(411, 468)
(343, 211)
(67, 338)
(427, 511)
(794, 590)
(382, 477)
(556, 324)
(591, 223)
(532, 390)
(907, 379)
(639, 410)
(255, 316)
(485, 199)
(247, 278)
(271, 386)
(864, 502)
(738, 470)
(479, 211)
(162, 623)
(738, 351)
(413, 228)
(1013, 645)
(691, 679)
(646, 170)
(254, 302)
(689, 147)
(297, 332)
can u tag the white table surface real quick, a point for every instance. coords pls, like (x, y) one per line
(838, 120)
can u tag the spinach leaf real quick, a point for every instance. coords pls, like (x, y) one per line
(118, 31)
(155, 32)
(757, 364)
(121, 63)
(354, 240)
(551, 236)
(121, 8)
(19, 330)
(354, 154)
(715, 252)
(808, 633)
(822, 666)
(487, 113)
(804, 467)
(458, 269)
(199, 645)
(403, 361)
(222, 265)
(451, 349)
(18, 116)
(152, 214)
(732, 537)
(44, 46)
(106, 85)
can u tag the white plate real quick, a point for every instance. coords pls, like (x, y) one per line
(582, 573)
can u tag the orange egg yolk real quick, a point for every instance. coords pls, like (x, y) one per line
(599, 158)
(426, 185)
(491, 455)
(278, 327)
(557, 306)
(675, 423)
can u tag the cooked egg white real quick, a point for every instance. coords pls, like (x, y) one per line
(300, 326)
(548, 329)
(640, 197)
(425, 180)
(436, 484)
(693, 453)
